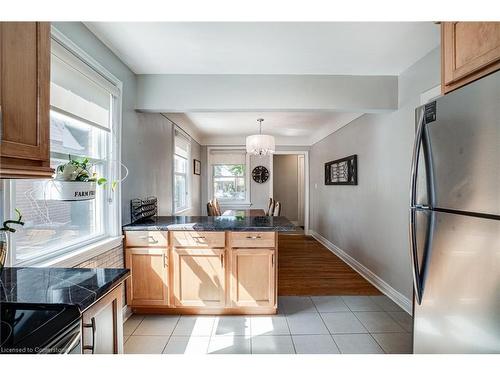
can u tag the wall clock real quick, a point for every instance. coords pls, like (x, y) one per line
(260, 174)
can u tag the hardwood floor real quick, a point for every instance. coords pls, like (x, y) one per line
(306, 267)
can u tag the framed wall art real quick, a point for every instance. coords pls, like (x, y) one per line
(342, 171)
(196, 167)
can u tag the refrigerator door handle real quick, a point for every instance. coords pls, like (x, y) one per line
(415, 156)
(413, 203)
(417, 284)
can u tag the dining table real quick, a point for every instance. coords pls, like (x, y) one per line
(245, 212)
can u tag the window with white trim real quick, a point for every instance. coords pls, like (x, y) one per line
(182, 156)
(229, 175)
(83, 124)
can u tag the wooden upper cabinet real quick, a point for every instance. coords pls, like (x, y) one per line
(469, 51)
(25, 99)
(148, 284)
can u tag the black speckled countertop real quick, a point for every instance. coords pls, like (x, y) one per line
(215, 223)
(79, 287)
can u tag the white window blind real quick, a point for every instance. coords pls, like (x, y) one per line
(227, 157)
(78, 90)
(182, 144)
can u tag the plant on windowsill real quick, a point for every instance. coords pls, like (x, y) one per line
(75, 181)
(3, 236)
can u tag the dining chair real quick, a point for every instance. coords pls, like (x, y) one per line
(216, 207)
(270, 207)
(277, 209)
(209, 209)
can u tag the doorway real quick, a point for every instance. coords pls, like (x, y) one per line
(290, 186)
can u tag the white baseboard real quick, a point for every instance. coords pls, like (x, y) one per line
(375, 280)
(126, 313)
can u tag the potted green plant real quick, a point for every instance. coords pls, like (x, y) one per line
(74, 181)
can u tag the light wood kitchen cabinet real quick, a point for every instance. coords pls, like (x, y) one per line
(148, 284)
(252, 239)
(25, 99)
(199, 277)
(253, 273)
(102, 325)
(198, 239)
(202, 272)
(469, 51)
(146, 238)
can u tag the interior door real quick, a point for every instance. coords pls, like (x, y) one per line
(461, 297)
(464, 143)
(199, 277)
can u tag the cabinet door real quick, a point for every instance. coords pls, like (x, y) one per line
(198, 277)
(470, 50)
(253, 275)
(25, 99)
(102, 325)
(148, 284)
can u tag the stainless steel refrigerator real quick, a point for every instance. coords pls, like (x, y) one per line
(455, 221)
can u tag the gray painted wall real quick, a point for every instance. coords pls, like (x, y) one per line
(286, 187)
(150, 161)
(369, 221)
(260, 193)
(204, 180)
(148, 150)
(196, 153)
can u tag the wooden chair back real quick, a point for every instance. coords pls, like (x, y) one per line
(210, 211)
(270, 207)
(277, 209)
(216, 207)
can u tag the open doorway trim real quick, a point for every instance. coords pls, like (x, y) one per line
(306, 182)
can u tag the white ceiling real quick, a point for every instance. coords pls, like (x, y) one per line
(289, 128)
(340, 48)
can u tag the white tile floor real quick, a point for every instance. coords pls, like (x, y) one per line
(304, 325)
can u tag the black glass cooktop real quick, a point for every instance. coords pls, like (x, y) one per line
(29, 328)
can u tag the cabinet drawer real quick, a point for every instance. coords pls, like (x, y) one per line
(198, 239)
(253, 239)
(146, 238)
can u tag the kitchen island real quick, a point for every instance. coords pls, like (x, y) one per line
(204, 264)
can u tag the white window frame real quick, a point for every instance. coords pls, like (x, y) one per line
(188, 207)
(210, 180)
(74, 254)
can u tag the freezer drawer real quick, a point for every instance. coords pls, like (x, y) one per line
(463, 144)
(460, 307)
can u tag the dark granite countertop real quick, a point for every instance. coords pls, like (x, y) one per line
(79, 287)
(215, 223)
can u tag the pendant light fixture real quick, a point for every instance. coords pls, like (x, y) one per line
(260, 144)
